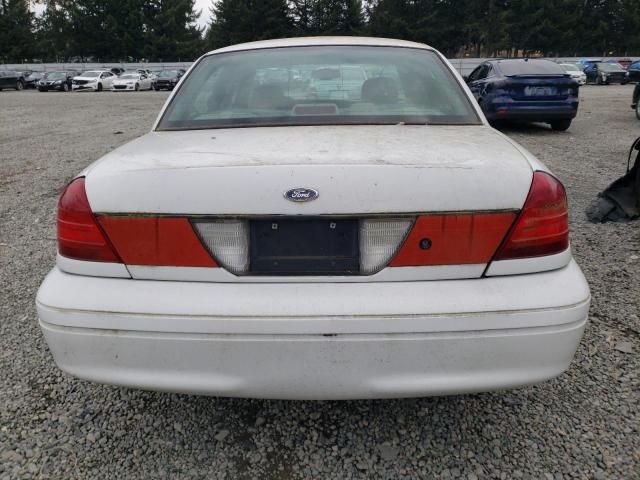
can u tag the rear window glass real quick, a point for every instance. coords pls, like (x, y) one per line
(530, 67)
(611, 67)
(571, 68)
(55, 75)
(328, 85)
(168, 74)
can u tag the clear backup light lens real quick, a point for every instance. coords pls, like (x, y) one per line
(228, 242)
(380, 239)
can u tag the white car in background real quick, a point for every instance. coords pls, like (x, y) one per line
(262, 242)
(95, 80)
(576, 72)
(132, 82)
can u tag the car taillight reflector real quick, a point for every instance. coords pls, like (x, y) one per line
(453, 239)
(379, 241)
(79, 235)
(228, 241)
(157, 241)
(542, 228)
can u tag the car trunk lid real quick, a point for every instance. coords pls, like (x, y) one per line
(541, 87)
(355, 169)
(224, 191)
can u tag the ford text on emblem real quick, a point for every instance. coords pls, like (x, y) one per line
(301, 194)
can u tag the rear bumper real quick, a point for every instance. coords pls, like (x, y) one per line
(316, 341)
(46, 88)
(532, 114)
(531, 111)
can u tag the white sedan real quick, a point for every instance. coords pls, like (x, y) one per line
(93, 80)
(576, 72)
(132, 82)
(261, 242)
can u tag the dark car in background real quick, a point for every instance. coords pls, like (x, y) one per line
(117, 71)
(526, 90)
(625, 62)
(11, 79)
(167, 79)
(605, 73)
(634, 71)
(60, 81)
(635, 104)
(31, 80)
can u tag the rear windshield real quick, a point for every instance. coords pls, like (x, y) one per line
(168, 74)
(570, 67)
(611, 67)
(56, 75)
(530, 67)
(326, 85)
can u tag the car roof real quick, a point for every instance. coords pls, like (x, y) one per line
(321, 41)
(520, 60)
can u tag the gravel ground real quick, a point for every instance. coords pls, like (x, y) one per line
(583, 424)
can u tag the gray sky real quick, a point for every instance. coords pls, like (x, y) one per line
(200, 5)
(203, 5)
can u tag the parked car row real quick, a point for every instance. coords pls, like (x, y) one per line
(115, 79)
(98, 80)
(603, 72)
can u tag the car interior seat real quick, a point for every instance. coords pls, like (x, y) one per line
(379, 90)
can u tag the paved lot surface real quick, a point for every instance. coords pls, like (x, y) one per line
(583, 424)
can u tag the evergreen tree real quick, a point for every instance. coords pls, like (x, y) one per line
(55, 31)
(435, 22)
(17, 40)
(124, 26)
(337, 17)
(238, 21)
(302, 15)
(123, 30)
(327, 17)
(171, 31)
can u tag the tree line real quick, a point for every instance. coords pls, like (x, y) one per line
(167, 30)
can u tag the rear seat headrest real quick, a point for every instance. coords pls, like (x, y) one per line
(379, 90)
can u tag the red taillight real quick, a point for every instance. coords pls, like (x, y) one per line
(453, 239)
(157, 241)
(79, 236)
(542, 228)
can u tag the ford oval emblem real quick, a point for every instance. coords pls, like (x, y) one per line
(301, 194)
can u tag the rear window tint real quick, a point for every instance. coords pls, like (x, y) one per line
(530, 67)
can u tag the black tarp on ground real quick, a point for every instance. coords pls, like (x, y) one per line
(620, 201)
